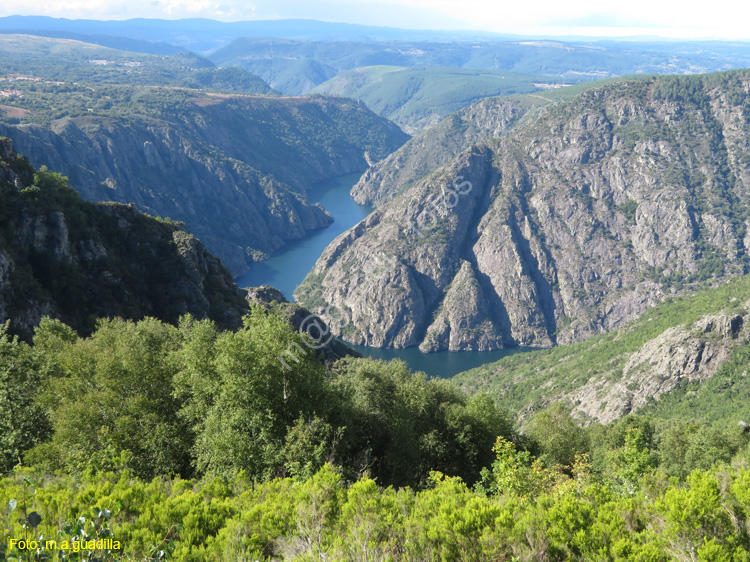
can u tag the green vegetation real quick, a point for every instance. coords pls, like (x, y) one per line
(159, 399)
(523, 510)
(563, 94)
(722, 400)
(181, 440)
(196, 444)
(523, 380)
(83, 63)
(416, 98)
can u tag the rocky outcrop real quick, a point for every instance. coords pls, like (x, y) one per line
(678, 356)
(234, 168)
(577, 222)
(77, 261)
(668, 351)
(299, 318)
(463, 319)
(424, 153)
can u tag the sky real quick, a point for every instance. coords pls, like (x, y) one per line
(717, 19)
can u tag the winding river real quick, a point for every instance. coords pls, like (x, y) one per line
(286, 269)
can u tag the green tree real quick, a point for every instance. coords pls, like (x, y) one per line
(242, 417)
(23, 422)
(516, 473)
(633, 459)
(559, 437)
(113, 394)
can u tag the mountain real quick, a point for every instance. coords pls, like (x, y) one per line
(277, 59)
(416, 98)
(573, 224)
(79, 261)
(201, 35)
(233, 167)
(425, 152)
(665, 363)
(69, 60)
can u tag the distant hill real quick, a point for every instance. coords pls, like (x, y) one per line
(76, 61)
(113, 42)
(571, 61)
(418, 97)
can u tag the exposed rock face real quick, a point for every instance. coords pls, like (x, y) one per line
(486, 119)
(675, 357)
(65, 258)
(570, 226)
(235, 169)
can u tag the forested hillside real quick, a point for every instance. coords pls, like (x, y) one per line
(66, 60)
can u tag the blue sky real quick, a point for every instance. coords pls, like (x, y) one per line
(724, 19)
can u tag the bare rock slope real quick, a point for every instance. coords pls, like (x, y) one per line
(581, 219)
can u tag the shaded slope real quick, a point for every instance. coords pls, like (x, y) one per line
(77, 261)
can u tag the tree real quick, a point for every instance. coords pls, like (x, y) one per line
(242, 418)
(23, 422)
(112, 394)
(558, 436)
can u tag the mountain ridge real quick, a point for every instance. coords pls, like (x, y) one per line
(580, 220)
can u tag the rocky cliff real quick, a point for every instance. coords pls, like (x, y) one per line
(575, 223)
(234, 168)
(671, 351)
(426, 152)
(77, 261)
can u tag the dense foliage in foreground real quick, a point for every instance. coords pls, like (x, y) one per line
(191, 399)
(525, 513)
(201, 444)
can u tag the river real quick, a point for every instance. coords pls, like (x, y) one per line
(287, 268)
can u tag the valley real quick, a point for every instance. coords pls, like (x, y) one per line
(300, 290)
(287, 268)
(234, 167)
